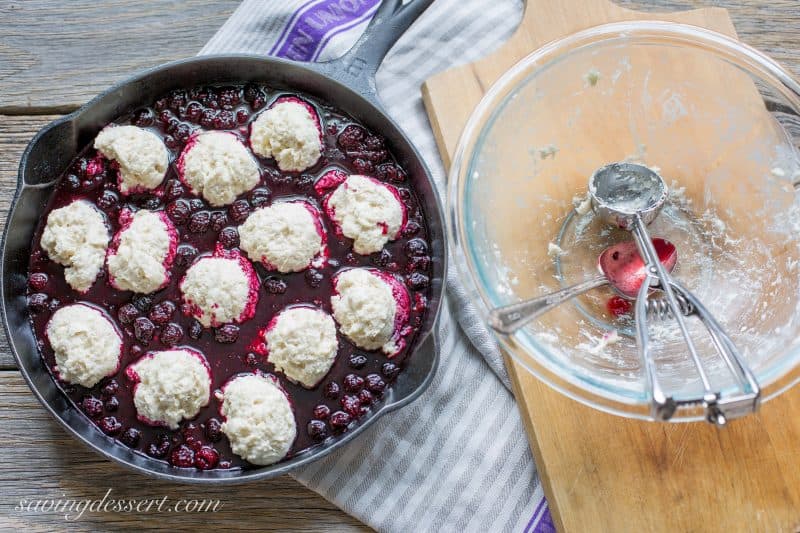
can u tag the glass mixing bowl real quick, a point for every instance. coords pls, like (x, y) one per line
(721, 122)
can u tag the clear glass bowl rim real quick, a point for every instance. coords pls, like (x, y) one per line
(650, 31)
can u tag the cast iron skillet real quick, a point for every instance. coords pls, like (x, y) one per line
(349, 84)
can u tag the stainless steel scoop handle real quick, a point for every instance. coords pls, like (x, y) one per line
(718, 409)
(510, 318)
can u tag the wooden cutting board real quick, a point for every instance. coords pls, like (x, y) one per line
(605, 473)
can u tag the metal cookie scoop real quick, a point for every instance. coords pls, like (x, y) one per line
(620, 266)
(630, 196)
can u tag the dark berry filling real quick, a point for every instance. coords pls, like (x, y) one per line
(159, 321)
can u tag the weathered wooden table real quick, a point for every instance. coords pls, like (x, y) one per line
(53, 57)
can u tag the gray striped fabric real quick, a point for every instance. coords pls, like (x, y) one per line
(457, 459)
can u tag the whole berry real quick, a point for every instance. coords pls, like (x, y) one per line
(107, 200)
(192, 441)
(185, 254)
(207, 118)
(110, 388)
(365, 397)
(352, 405)
(182, 132)
(92, 406)
(390, 172)
(357, 361)
(411, 228)
(37, 302)
(417, 281)
(172, 334)
(239, 210)
(259, 101)
(193, 111)
(199, 222)
(250, 92)
(225, 120)
(110, 425)
(317, 430)
(321, 412)
(195, 330)
(130, 437)
(422, 262)
(143, 117)
(111, 405)
(390, 370)
(274, 285)
(206, 458)
(37, 281)
(143, 329)
(162, 312)
(176, 99)
(159, 448)
(127, 313)
(332, 390)
(363, 166)
(314, 277)
(375, 383)
(218, 220)
(415, 247)
(173, 189)
(382, 258)
(353, 383)
(340, 420)
(227, 334)
(259, 197)
(351, 137)
(213, 429)
(182, 457)
(229, 97)
(142, 302)
(229, 237)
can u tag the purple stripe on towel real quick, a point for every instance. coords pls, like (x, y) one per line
(302, 9)
(366, 16)
(545, 524)
(536, 511)
(307, 32)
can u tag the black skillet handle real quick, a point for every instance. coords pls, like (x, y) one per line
(358, 66)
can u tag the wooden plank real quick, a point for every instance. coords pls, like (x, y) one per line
(15, 133)
(54, 56)
(605, 473)
(772, 27)
(39, 460)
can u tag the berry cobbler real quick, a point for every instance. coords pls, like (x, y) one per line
(229, 276)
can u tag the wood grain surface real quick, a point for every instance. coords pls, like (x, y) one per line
(56, 55)
(606, 473)
(15, 132)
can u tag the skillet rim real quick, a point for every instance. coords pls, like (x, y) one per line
(427, 340)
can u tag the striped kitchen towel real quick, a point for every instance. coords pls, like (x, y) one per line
(457, 459)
